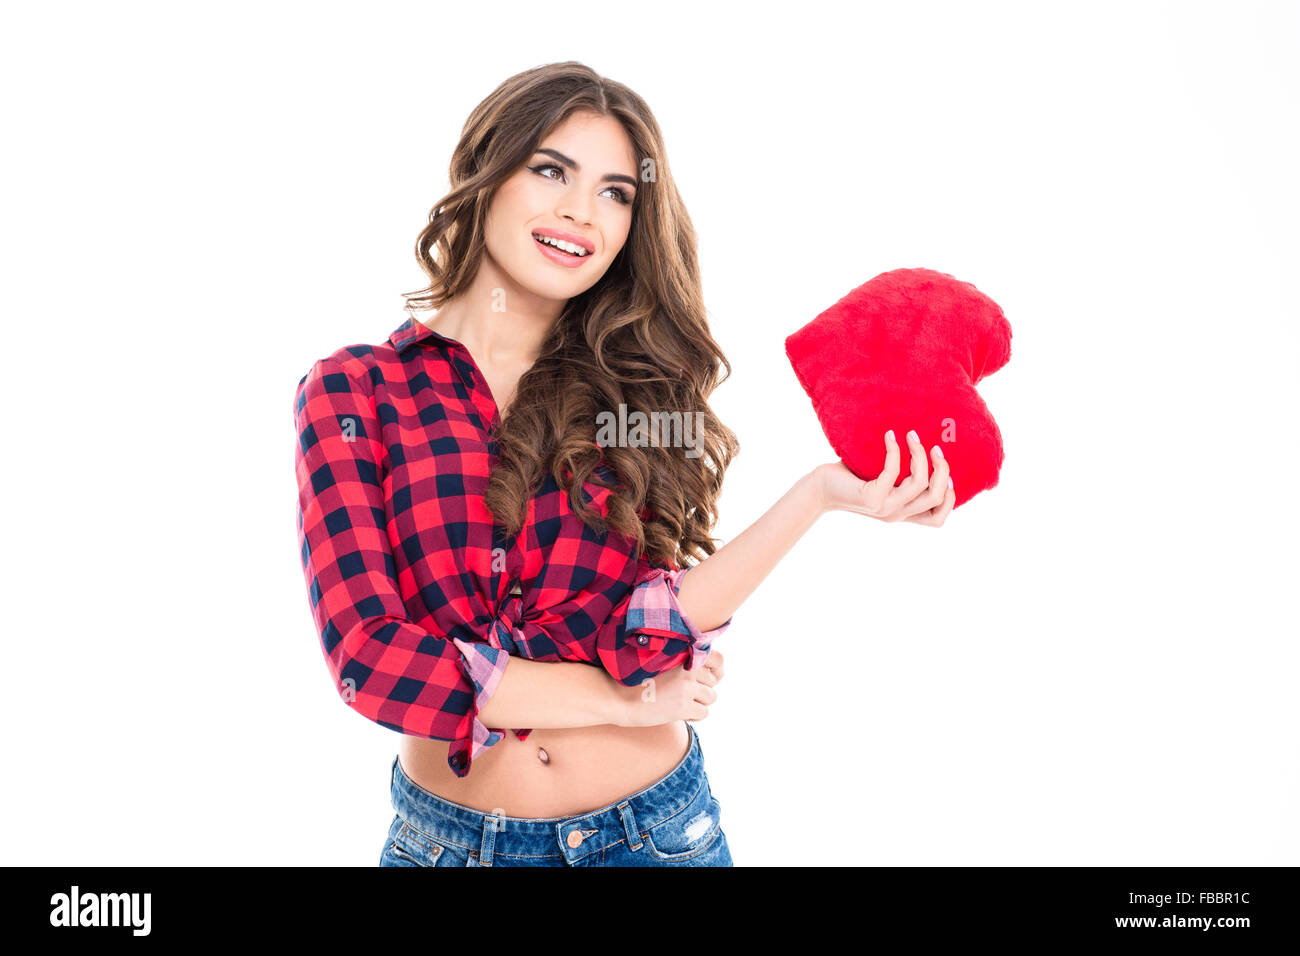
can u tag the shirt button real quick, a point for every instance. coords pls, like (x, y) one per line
(642, 640)
(574, 839)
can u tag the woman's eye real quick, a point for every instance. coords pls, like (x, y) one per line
(619, 194)
(541, 170)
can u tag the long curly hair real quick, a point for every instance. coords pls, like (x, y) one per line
(638, 337)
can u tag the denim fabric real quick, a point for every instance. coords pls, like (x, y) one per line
(675, 821)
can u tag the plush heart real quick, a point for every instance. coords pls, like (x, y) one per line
(904, 351)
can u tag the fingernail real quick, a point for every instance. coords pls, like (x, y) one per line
(890, 434)
(938, 451)
(913, 436)
(950, 481)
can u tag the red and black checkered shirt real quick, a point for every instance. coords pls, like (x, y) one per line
(409, 577)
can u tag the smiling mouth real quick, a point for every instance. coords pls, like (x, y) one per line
(564, 248)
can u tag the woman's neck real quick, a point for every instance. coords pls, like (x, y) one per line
(499, 324)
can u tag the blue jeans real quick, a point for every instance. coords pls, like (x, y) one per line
(675, 821)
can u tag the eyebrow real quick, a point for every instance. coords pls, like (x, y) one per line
(572, 164)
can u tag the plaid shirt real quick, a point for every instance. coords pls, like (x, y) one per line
(417, 595)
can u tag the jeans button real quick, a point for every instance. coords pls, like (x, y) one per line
(574, 839)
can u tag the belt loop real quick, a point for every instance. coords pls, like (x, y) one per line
(491, 824)
(629, 825)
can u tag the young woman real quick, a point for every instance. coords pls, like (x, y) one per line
(474, 543)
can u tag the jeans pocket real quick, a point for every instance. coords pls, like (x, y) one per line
(407, 846)
(687, 836)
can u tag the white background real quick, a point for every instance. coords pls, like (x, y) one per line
(1093, 663)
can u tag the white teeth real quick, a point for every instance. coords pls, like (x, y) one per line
(561, 244)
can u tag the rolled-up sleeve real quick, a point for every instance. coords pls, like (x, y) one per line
(648, 632)
(397, 674)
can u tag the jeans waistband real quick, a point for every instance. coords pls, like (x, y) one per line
(572, 837)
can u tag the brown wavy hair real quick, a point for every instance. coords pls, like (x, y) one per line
(639, 336)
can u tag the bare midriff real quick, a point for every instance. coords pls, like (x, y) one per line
(553, 773)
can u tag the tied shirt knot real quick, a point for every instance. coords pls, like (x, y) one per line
(506, 633)
(506, 629)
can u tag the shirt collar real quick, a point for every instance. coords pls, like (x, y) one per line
(413, 331)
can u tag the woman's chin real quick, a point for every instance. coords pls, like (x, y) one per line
(546, 285)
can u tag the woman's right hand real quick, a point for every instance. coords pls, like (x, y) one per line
(922, 498)
(677, 694)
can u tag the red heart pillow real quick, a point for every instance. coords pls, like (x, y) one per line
(904, 351)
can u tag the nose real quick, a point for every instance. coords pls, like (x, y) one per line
(576, 210)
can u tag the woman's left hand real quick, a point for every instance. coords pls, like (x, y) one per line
(921, 498)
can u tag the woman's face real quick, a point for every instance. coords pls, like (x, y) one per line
(578, 187)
